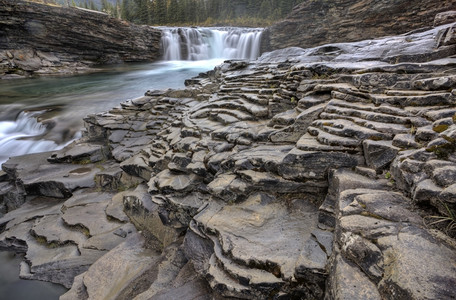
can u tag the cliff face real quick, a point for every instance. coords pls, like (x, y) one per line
(316, 22)
(41, 38)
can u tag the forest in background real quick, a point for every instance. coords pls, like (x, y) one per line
(203, 12)
(253, 13)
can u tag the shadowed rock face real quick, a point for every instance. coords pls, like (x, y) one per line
(40, 37)
(316, 22)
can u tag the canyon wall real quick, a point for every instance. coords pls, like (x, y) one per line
(317, 22)
(37, 38)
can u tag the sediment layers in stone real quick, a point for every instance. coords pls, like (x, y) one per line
(45, 39)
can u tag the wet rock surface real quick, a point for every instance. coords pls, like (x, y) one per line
(307, 174)
(37, 39)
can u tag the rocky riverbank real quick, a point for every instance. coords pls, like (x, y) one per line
(307, 174)
(37, 39)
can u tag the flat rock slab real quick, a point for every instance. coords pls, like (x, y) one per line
(32, 209)
(298, 164)
(53, 229)
(408, 275)
(83, 197)
(59, 264)
(109, 240)
(115, 208)
(40, 177)
(92, 217)
(263, 232)
(79, 153)
(107, 278)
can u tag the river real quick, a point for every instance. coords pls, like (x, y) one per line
(45, 114)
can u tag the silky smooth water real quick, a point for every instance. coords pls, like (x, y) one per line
(13, 288)
(201, 43)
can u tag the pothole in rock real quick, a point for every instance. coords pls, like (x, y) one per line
(80, 171)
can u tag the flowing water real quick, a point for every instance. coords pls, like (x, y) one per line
(210, 43)
(45, 114)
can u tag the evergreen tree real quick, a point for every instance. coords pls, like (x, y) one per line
(198, 12)
(92, 5)
(265, 9)
(160, 11)
(172, 12)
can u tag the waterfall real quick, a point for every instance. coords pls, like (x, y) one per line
(210, 43)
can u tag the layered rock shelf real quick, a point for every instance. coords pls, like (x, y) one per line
(38, 39)
(308, 174)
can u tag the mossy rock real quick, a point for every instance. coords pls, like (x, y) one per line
(441, 128)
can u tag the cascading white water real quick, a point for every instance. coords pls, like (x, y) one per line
(210, 43)
(17, 137)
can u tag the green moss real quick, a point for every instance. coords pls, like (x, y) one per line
(321, 76)
(43, 241)
(369, 214)
(82, 229)
(84, 161)
(375, 138)
(442, 151)
(440, 128)
(123, 187)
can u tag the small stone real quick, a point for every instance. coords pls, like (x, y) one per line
(426, 191)
(445, 176)
(405, 141)
(449, 194)
(445, 18)
(120, 232)
(379, 154)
